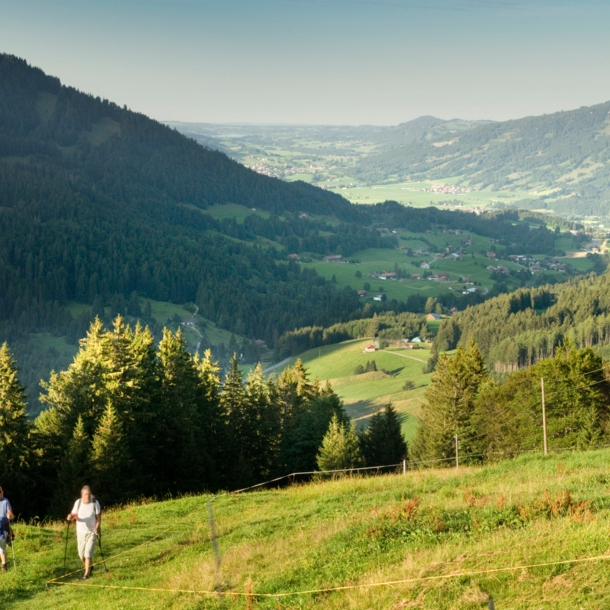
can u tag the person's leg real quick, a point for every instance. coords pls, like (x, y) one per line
(88, 553)
(81, 544)
(3, 553)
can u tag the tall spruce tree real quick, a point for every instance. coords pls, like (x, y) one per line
(182, 441)
(382, 442)
(304, 440)
(14, 429)
(110, 459)
(261, 424)
(75, 469)
(234, 403)
(340, 447)
(449, 405)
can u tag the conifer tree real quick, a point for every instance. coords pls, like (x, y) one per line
(261, 424)
(110, 459)
(234, 404)
(74, 470)
(383, 443)
(449, 405)
(180, 440)
(14, 427)
(340, 447)
(303, 441)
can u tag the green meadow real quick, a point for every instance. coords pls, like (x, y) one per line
(365, 394)
(419, 194)
(527, 533)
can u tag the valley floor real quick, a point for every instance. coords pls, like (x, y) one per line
(455, 539)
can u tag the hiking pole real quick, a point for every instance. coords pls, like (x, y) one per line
(14, 560)
(99, 543)
(66, 545)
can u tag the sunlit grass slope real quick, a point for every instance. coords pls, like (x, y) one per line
(365, 394)
(353, 531)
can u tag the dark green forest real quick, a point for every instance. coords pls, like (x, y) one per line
(138, 420)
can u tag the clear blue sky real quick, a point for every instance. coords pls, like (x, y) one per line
(320, 61)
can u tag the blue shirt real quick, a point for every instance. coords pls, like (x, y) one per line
(5, 506)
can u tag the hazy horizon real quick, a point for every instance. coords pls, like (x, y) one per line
(320, 62)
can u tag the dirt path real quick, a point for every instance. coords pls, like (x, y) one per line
(403, 355)
(277, 366)
(197, 331)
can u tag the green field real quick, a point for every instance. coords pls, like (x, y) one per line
(419, 194)
(233, 210)
(454, 538)
(365, 394)
(472, 266)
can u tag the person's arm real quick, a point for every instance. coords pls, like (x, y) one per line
(9, 512)
(73, 515)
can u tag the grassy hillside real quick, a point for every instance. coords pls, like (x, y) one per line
(365, 394)
(446, 532)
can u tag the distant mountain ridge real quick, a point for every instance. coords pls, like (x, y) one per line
(565, 155)
(381, 137)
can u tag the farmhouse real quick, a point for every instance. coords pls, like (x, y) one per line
(335, 258)
(369, 348)
(293, 257)
(189, 321)
(379, 297)
(387, 275)
(416, 340)
(425, 266)
(362, 293)
(433, 316)
(491, 254)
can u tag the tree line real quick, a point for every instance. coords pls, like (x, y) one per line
(517, 330)
(498, 419)
(138, 420)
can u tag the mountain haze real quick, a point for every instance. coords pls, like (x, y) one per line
(565, 156)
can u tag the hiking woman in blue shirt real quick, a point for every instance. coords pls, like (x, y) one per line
(6, 513)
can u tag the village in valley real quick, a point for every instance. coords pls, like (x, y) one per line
(443, 261)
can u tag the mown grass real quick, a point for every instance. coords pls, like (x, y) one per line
(365, 394)
(353, 531)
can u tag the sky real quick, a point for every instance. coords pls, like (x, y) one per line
(339, 62)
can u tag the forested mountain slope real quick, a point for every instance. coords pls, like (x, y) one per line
(566, 154)
(97, 202)
(519, 329)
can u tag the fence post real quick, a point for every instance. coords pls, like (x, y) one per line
(404, 467)
(457, 452)
(546, 449)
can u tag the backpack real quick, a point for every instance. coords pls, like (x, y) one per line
(93, 499)
(5, 528)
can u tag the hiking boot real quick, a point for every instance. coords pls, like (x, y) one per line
(4, 567)
(86, 576)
